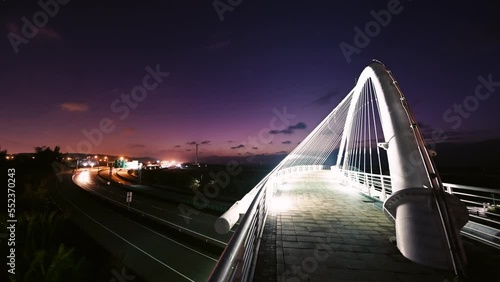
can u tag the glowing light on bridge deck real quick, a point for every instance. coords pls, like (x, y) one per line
(280, 204)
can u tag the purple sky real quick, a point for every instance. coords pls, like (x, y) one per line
(226, 77)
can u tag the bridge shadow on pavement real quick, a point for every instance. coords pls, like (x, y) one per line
(319, 229)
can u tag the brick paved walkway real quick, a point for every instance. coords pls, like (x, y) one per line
(319, 230)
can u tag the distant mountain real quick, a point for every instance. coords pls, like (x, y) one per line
(262, 159)
(475, 154)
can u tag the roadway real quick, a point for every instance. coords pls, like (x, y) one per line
(153, 255)
(150, 202)
(166, 192)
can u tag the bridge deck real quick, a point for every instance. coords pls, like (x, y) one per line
(319, 230)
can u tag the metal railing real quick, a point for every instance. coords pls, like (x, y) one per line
(483, 226)
(374, 185)
(238, 259)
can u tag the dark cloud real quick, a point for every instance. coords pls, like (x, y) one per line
(219, 44)
(284, 131)
(238, 147)
(219, 40)
(255, 148)
(290, 129)
(450, 135)
(424, 126)
(194, 142)
(324, 100)
(74, 107)
(44, 32)
(286, 142)
(230, 141)
(177, 146)
(136, 146)
(281, 152)
(299, 125)
(188, 150)
(461, 135)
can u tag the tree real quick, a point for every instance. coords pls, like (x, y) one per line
(55, 266)
(44, 256)
(3, 154)
(44, 156)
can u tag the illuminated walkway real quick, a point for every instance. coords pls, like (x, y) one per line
(319, 230)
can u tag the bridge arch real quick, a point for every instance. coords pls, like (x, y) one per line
(427, 220)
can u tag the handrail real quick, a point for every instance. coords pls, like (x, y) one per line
(230, 264)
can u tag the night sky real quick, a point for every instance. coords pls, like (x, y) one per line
(226, 77)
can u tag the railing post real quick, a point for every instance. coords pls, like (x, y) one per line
(382, 197)
(368, 185)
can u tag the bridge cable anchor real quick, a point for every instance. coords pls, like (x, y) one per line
(383, 145)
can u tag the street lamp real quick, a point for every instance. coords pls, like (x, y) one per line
(139, 172)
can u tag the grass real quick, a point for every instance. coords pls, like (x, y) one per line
(494, 209)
